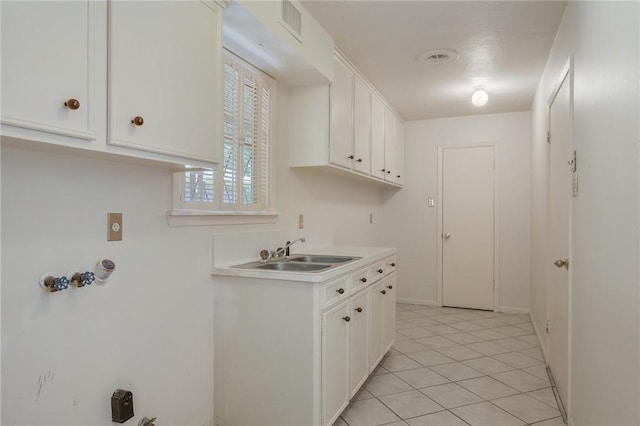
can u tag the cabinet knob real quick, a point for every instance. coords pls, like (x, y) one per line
(383, 170)
(350, 157)
(340, 290)
(358, 309)
(137, 120)
(364, 280)
(380, 271)
(72, 103)
(347, 318)
(359, 160)
(388, 172)
(384, 292)
(393, 264)
(398, 176)
(389, 287)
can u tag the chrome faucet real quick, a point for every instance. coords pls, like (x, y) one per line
(290, 243)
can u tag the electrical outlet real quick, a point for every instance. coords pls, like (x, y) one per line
(300, 221)
(114, 226)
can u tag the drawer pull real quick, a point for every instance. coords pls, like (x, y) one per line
(72, 103)
(137, 121)
(350, 157)
(340, 291)
(347, 318)
(380, 271)
(389, 287)
(393, 264)
(364, 280)
(358, 309)
(384, 292)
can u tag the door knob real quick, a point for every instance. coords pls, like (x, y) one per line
(560, 263)
(447, 236)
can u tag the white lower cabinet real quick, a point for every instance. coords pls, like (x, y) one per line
(359, 341)
(293, 352)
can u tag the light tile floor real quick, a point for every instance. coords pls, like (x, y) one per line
(457, 367)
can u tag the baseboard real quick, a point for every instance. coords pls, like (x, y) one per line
(417, 302)
(513, 310)
(543, 348)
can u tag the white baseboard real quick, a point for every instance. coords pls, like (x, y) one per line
(543, 348)
(512, 310)
(417, 302)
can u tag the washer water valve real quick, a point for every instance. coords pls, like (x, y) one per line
(53, 284)
(80, 279)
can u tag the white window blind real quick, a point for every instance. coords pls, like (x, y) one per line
(242, 181)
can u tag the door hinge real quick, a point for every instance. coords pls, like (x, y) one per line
(548, 137)
(548, 327)
(573, 162)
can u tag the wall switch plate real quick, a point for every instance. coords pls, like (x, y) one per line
(114, 226)
(300, 221)
(431, 202)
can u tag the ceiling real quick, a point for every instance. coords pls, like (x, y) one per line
(503, 47)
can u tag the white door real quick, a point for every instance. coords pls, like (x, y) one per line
(388, 312)
(558, 237)
(377, 137)
(375, 319)
(361, 127)
(359, 347)
(341, 120)
(468, 206)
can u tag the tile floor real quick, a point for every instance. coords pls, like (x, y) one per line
(457, 367)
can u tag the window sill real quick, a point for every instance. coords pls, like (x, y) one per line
(203, 218)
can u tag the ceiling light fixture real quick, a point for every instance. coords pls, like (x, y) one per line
(438, 56)
(479, 97)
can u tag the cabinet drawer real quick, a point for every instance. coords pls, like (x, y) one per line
(360, 279)
(378, 271)
(390, 265)
(335, 291)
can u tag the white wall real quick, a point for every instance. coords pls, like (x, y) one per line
(605, 313)
(411, 226)
(150, 329)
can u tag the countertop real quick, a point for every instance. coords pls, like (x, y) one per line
(368, 254)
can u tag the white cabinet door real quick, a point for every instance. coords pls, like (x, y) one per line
(335, 361)
(165, 78)
(362, 127)
(375, 324)
(359, 346)
(341, 113)
(47, 61)
(377, 137)
(399, 173)
(388, 292)
(389, 145)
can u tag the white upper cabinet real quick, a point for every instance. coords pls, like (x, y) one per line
(341, 116)
(48, 67)
(346, 126)
(361, 127)
(165, 79)
(399, 173)
(377, 137)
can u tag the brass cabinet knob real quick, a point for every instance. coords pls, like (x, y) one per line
(72, 103)
(137, 120)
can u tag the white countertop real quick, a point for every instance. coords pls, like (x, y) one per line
(368, 255)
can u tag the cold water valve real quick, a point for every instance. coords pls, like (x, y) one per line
(53, 284)
(80, 279)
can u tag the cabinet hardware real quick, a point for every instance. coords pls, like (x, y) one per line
(398, 176)
(389, 287)
(359, 160)
(384, 292)
(137, 120)
(340, 290)
(364, 280)
(388, 172)
(72, 103)
(358, 309)
(383, 170)
(351, 157)
(393, 265)
(347, 318)
(380, 271)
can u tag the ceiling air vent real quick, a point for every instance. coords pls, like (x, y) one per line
(439, 56)
(292, 19)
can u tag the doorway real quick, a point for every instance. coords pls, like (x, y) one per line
(561, 167)
(468, 240)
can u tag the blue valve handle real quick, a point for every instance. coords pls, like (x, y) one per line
(87, 278)
(61, 283)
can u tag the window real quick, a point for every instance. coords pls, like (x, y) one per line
(241, 184)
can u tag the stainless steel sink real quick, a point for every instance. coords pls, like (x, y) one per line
(290, 266)
(320, 258)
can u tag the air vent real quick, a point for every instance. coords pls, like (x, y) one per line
(439, 56)
(292, 19)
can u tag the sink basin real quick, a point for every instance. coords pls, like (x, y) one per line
(298, 267)
(319, 258)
